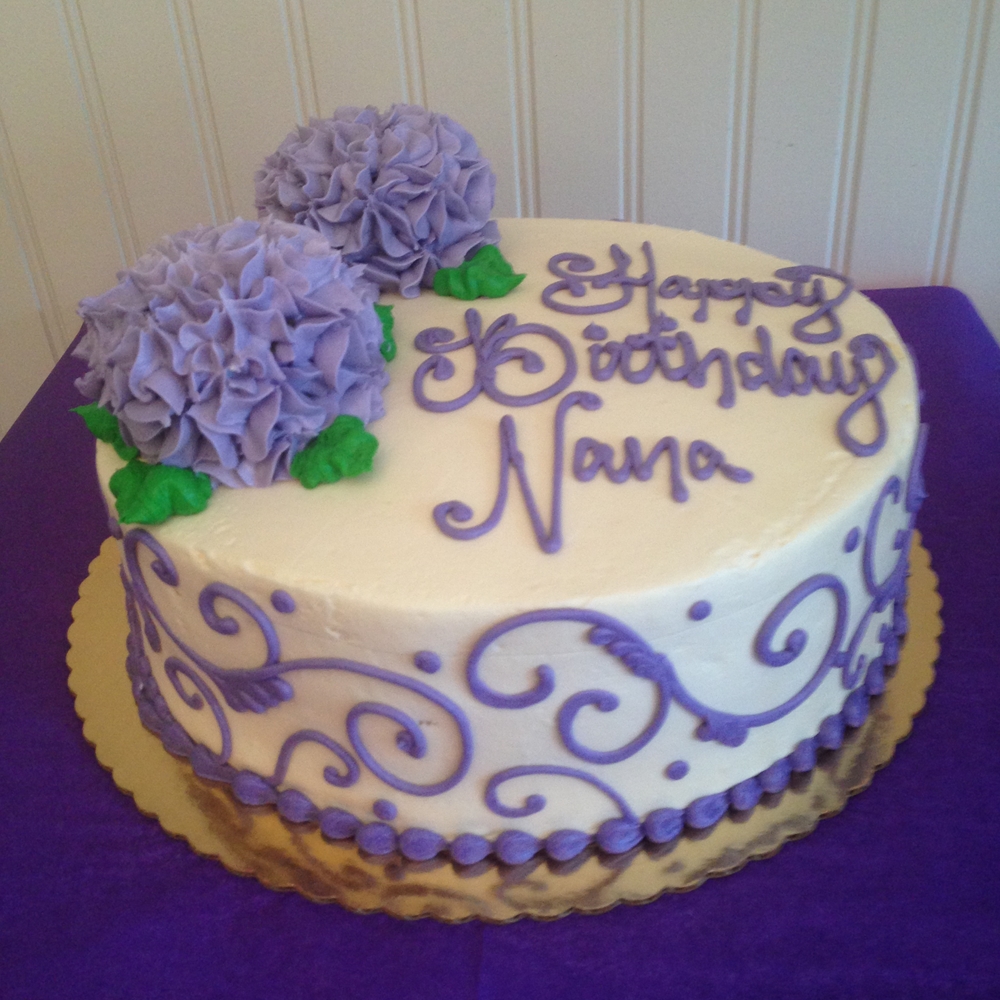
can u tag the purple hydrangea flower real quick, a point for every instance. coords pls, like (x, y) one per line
(404, 193)
(226, 350)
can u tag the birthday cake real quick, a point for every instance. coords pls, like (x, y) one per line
(632, 549)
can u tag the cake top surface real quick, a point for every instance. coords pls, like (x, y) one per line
(725, 463)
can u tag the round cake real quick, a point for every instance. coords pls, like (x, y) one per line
(632, 550)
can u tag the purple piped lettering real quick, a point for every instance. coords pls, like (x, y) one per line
(549, 539)
(492, 351)
(572, 280)
(866, 348)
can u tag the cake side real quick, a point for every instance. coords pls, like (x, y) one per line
(688, 632)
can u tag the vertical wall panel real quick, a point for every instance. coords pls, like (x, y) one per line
(916, 72)
(797, 127)
(975, 263)
(238, 64)
(688, 59)
(466, 76)
(65, 223)
(355, 52)
(25, 355)
(154, 134)
(578, 78)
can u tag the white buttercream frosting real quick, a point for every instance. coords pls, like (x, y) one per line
(375, 580)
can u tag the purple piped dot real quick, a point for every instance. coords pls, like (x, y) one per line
(831, 732)
(777, 776)
(746, 794)
(875, 678)
(428, 662)
(420, 845)
(706, 811)
(295, 807)
(594, 331)
(176, 740)
(384, 809)
(616, 836)
(376, 838)
(514, 847)
(564, 845)
(663, 825)
(803, 757)
(252, 790)
(469, 849)
(202, 762)
(338, 824)
(852, 539)
(282, 602)
(115, 528)
(677, 769)
(856, 707)
(699, 610)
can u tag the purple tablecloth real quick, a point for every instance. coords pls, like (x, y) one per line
(895, 897)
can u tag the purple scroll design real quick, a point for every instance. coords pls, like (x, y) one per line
(550, 539)
(255, 689)
(196, 699)
(491, 352)
(770, 646)
(258, 689)
(535, 803)
(618, 640)
(730, 728)
(254, 789)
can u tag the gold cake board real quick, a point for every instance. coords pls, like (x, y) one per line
(286, 856)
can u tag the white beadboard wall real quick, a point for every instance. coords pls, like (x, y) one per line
(860, 134)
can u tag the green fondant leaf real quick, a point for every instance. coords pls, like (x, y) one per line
(149, 494)
(345, 448)
(488, 274)
(103, 424)
(388, 348)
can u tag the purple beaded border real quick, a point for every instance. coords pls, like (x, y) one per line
(613, 836)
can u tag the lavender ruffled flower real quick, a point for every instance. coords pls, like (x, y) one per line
(404, 193)
(226, 350)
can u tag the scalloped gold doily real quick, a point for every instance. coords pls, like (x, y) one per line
(257, 841)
